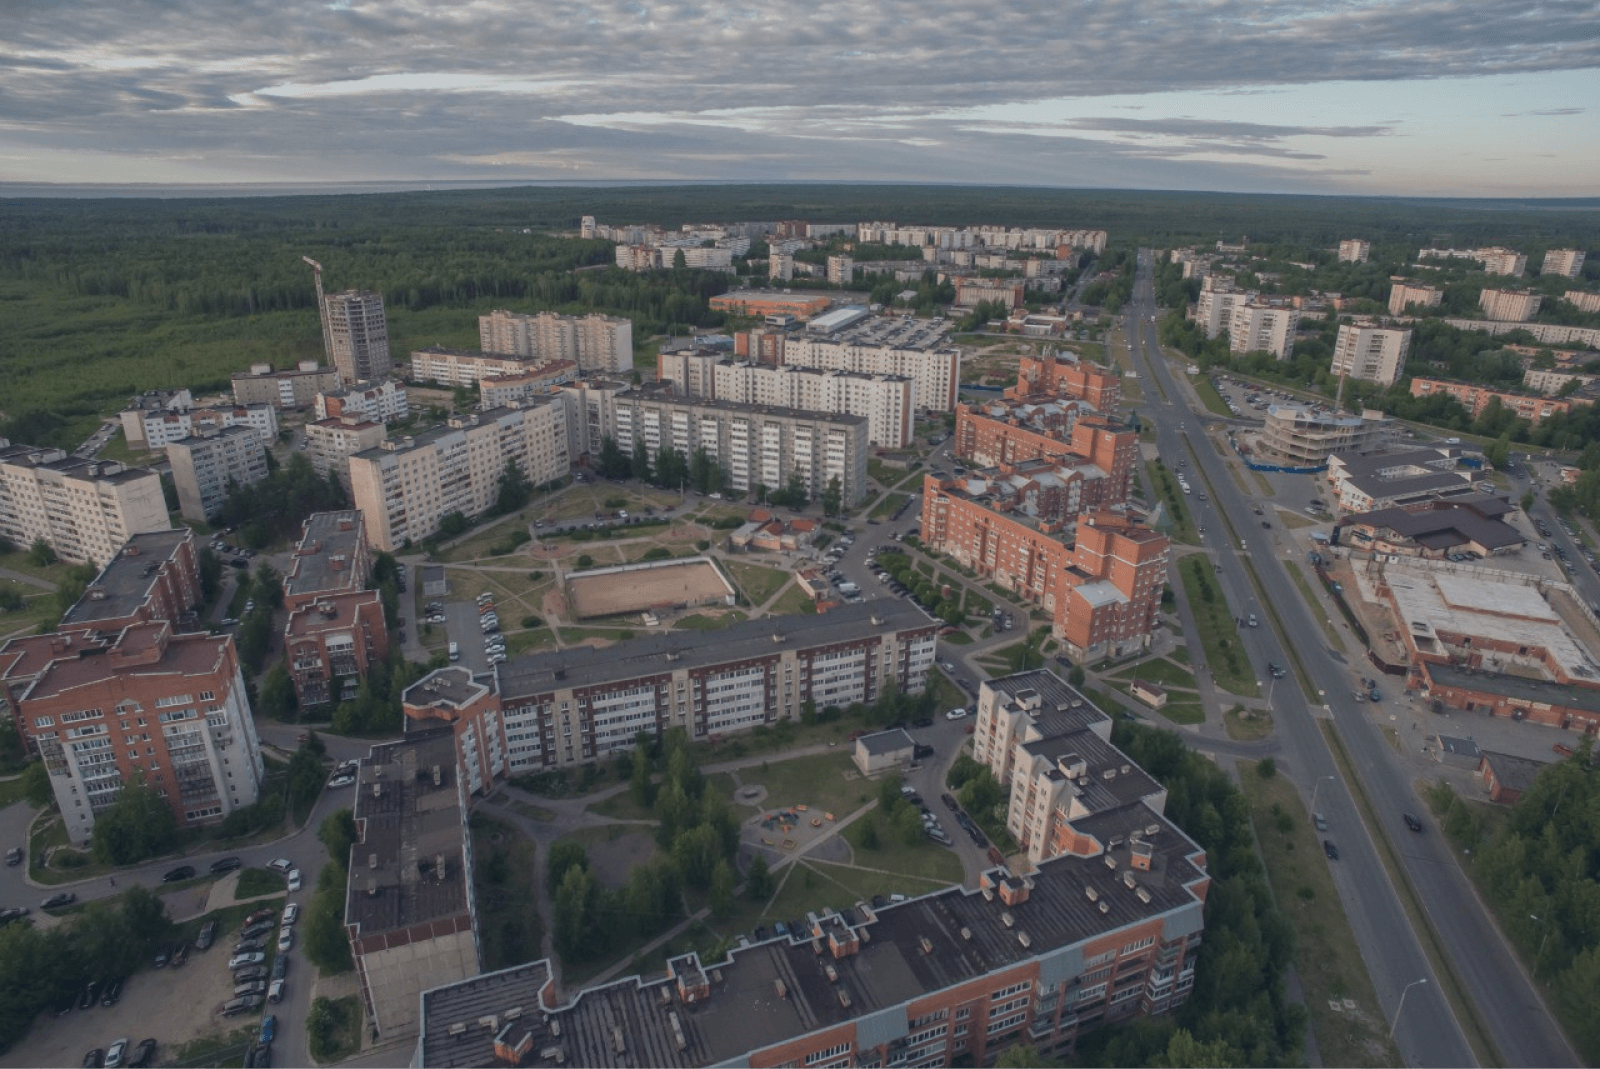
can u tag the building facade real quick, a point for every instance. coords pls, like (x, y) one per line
(1061, 375)
(331, 643)
(330, 443)
(971, 292)
(1354, 250)
(289, 389)
(383, 402)
(1509, 306)
(405, 487)
(1257, 327)
(1475, 399)
(148, 404)
(204, 469)
(771, 302)
(1309, 436)
(358, 336)
(917, 349)
(472, 367)
(592, 342)
(145, 702)
(161, 429)
(1584, 302)
(1366, 351)
(333, 556)
(1403, 295)
(841, 270)
(1102, 450)
(85, 510)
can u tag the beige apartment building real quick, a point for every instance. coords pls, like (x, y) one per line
(1403, 295)
(473, 367)
(917, 349)
(203, 469)
(83, 509)
(1213, 311)
(841, 270)
(1509, 306)
(358, 335)
(1259, 327)
(1354, 250)
(295, 388)
(1567, 262)
(1370, 352)
(406, 486)
(330, 443)
(1584, 302)
(593, 342)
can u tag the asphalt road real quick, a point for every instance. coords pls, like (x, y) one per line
(1428, 1034)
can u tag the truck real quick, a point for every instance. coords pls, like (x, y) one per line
(849, 589)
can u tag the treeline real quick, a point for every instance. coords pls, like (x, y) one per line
(1540, 871)
(47, 968)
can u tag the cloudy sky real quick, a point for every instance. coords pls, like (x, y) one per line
(1438, 97)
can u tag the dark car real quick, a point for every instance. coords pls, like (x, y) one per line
(144, 1054)
(14, 856)
(1412, 822)
(90, 991)
(921, 750)
(65, 898)
(978, 838)
(280, 965)
(163, 955)
(922, 722)
(250, 972)
(950, 803)
(1276, 669)
(180, 955)
(207, 936)
(247, 946)
(94, 1059)
(1331, 850)
(258, 928)
(226, 864)
(13, 913)
(182, 872)
(113, 992)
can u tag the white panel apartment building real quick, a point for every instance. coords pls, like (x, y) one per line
(382, 402)
(358, 335)
(1403, 295)
(163, 428)
(203, 469)
(1495, 261)
(992, 237)
(1213, 311)
(1367, 351)
(330, 443)
(1567, 262)
(404, 488)
(1509, 306)
(83, 509)
(1256, 327)
(1354, 250)
(755, 445)
(917, 349)
(593, 342)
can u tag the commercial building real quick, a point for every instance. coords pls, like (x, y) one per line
(1354, 250)
(151, 403)
(1509, 306)
(103, 708)
(358, 335)
(1367, 351)
(593, 342)
(1403, 295)
(1370, 493)
(583, 704)
(1309, 436)
(771, 302)
(83, 509)
(754, 444)
(473, 367)
(332, 557)
(1472, 525)
(1567, 262)
(1256, 327)
(156, 576)
(409, 911)
(382, 402)
(1476, 398)
(405, 487)
(160, 429)
(330, 443)
(294, 388)
(884, 401)
(917, 349)
(1384, 464)
(1512, 697)
(205, 469)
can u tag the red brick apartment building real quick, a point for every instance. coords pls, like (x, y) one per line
(336, 627)
(1531, 407)
(997, 436)
(1055, 376)
(155, 576)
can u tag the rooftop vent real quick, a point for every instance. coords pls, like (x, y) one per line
(832, 973)
(1143, 893)
(458, 1029)
(780, 988)
(1091, 893)
(1007, 919)
(927, 945)
(1127, 878)
(1025, 940)
(1111, 862)
(966, 933)
(1105, 907)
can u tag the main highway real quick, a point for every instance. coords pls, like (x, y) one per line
(1428, 1032)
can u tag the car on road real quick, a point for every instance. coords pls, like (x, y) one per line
(56, 901)
(956, 714)
(1320, 821)
(252, 957)
(275, 992)
(1252, 621)
(343, 779)
(280, 864)
(294, 879)
(950, 803)
(1412, 822)
(226, 864)
(1276, 669)
(922, 722)
(182, 872)
(1331, 850)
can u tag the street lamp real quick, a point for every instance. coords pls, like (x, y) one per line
(1314, 791)
(1539, 957)
(1402, 1004)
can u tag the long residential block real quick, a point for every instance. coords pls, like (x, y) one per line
(474, 367)
(917, 349)
(83, 509)
(205, 468)
(295, 387)
(1476, 398)
(593, 342)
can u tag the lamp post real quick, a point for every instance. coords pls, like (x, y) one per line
(1314, 791)
(1402, 1004)
(1544, 922)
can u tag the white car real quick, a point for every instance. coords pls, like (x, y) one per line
(285, 940)
(343, 779)
(275, 992)
(956, 714)
(291, 913)
(294, 879)
(115, 1052)
(281, 864)
(252, 957)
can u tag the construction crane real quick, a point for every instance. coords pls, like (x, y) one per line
(322, 309)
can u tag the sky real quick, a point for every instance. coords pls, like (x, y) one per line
(1472, 98)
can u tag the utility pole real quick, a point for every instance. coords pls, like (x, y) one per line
(322, 310)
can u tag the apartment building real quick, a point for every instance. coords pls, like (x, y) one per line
(1213, 310)
(156, 576)
(917, 349)
(406, 486)
(1496, 260)
(841, 270)
(1255, 327)
(409, 911)
(1584, 302)
(1403, 295)
(592, 342)
(1553, 382)
(1567, 262)
(780, 266)
(1100, 451)
(1543, 333)
(970, 292)
(101, 708)
(204, 469)
(160, 429)
(581, 704)
(85, 510)
(333, 556)
(382, 402)
(1354, 251)
(293, 388)
(771, 302)
(885, 401)
(1066, 376)
(330, 443)
(756, 445)
(473, 367)
(151, 403)
(1509, 306)
(1475, 399)
(358, 335)
(1043, 239)
(331, 643)
(1307, 437)
(1364, 350)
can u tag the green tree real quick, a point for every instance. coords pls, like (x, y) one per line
(514, 490)
(276, 694)
(574, 911)
(41, 554)
(869, 833)
(338, 834)
(564, 856)
(758, 879)
(36, 785)
(323, 935)
(1498, 451)
(642, 788)
(722, 882)
(137, 825)
(639, 462)
(832, 498)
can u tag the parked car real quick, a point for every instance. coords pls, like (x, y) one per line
(163, 955)
(249, 972)
(94, 1059)
(285, 940)
(91, 992)
(143, 1054)
(275, 992)
(245, 946)
(243, 1004)
(259, 928)
(249, 957)
(226, 864)
(280, 966)
(269, 1027)
(294, 879)
(113, 992)
(180, 955)
(182, 872)
(250, 987)
(956, 714)
(56, 901)
(1320, 821)
(280, 864)
(263, 914)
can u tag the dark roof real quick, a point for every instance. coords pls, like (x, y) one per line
(1515, 688)
(324, 559)
(125, 584)
(1379, 489)
(456, 1018)
(885, 742)
(1513, 772)
(1441, 527)
(1357, 465)
(1057, 707)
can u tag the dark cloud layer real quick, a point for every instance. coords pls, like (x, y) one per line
(735, 89)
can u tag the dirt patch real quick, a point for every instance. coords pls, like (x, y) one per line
(689, 532)
(689, 583)
(612, 861)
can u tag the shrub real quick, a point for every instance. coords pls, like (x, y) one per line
(531, 621)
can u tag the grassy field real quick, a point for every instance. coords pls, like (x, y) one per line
(1181, 520)
(793, 602)
(1328, 630)
(758, 583)
(1181, 712)
(721, 622)
(887, 507)
(1159, 670)
(1230, 670)
(1247, 725)
(1328, 961)
(827, 782)
(1211, 398)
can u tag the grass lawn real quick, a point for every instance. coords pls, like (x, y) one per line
(793, 602)
(254, 882)
(827, 782)
(697, 622)
(1210, 397)
(1293, 520)
(539, 638)
(757, 583)
(957, 638)
(1178, 514)
(1328, 961)
(1328, 630)
(1180, 654)
(1247, 725)
(476, 547)
(1159, 670)
(888, 506)
(926, 861)
(1229, 669)
(335, 1028)
(621, 806)
(912, 482)
(1183, 712)
(10, 791)
(38, 607)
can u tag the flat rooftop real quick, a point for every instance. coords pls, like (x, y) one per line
(469, 422)
(455, 1033)
(126, 582)
(147, 649)
(325, 559)
(450, 687)
(411, 820)
(1516, 688)
(330, 612)
(883, 742)
(1056, 707)
(660, 654)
